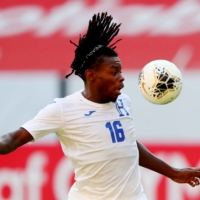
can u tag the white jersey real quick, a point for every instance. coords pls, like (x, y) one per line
(99, 140)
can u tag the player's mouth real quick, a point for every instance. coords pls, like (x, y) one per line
(119, 88)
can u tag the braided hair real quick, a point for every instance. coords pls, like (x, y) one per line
(99, 34)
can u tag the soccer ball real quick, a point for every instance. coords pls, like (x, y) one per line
(160, 82)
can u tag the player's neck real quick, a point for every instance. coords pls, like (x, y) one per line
(94, 96)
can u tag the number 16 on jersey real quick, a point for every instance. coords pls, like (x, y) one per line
(116, 131)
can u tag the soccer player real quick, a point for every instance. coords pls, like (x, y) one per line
(95, 125)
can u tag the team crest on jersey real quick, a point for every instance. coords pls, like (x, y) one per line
(121, 109)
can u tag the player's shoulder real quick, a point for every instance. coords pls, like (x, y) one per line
(69, 98)
(124, 97)
(125, 101)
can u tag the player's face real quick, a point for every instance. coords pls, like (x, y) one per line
(109, 80)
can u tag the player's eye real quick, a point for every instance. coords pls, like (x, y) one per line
(115, 73)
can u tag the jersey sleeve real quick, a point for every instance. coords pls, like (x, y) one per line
(48, 120)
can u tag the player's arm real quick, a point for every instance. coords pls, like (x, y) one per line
(13, 140)
(150, 161)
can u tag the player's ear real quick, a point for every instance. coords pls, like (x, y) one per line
(90, 75)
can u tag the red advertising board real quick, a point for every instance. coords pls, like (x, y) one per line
(35, 35)
(35, 173)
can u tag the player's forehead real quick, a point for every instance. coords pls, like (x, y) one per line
(111, 62)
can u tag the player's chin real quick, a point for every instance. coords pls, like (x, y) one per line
(115, 95)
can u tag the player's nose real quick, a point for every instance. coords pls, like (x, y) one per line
(121, 78)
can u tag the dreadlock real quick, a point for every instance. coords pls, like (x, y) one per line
(99, 34)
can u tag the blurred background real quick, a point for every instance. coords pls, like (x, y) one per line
(35, 55)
